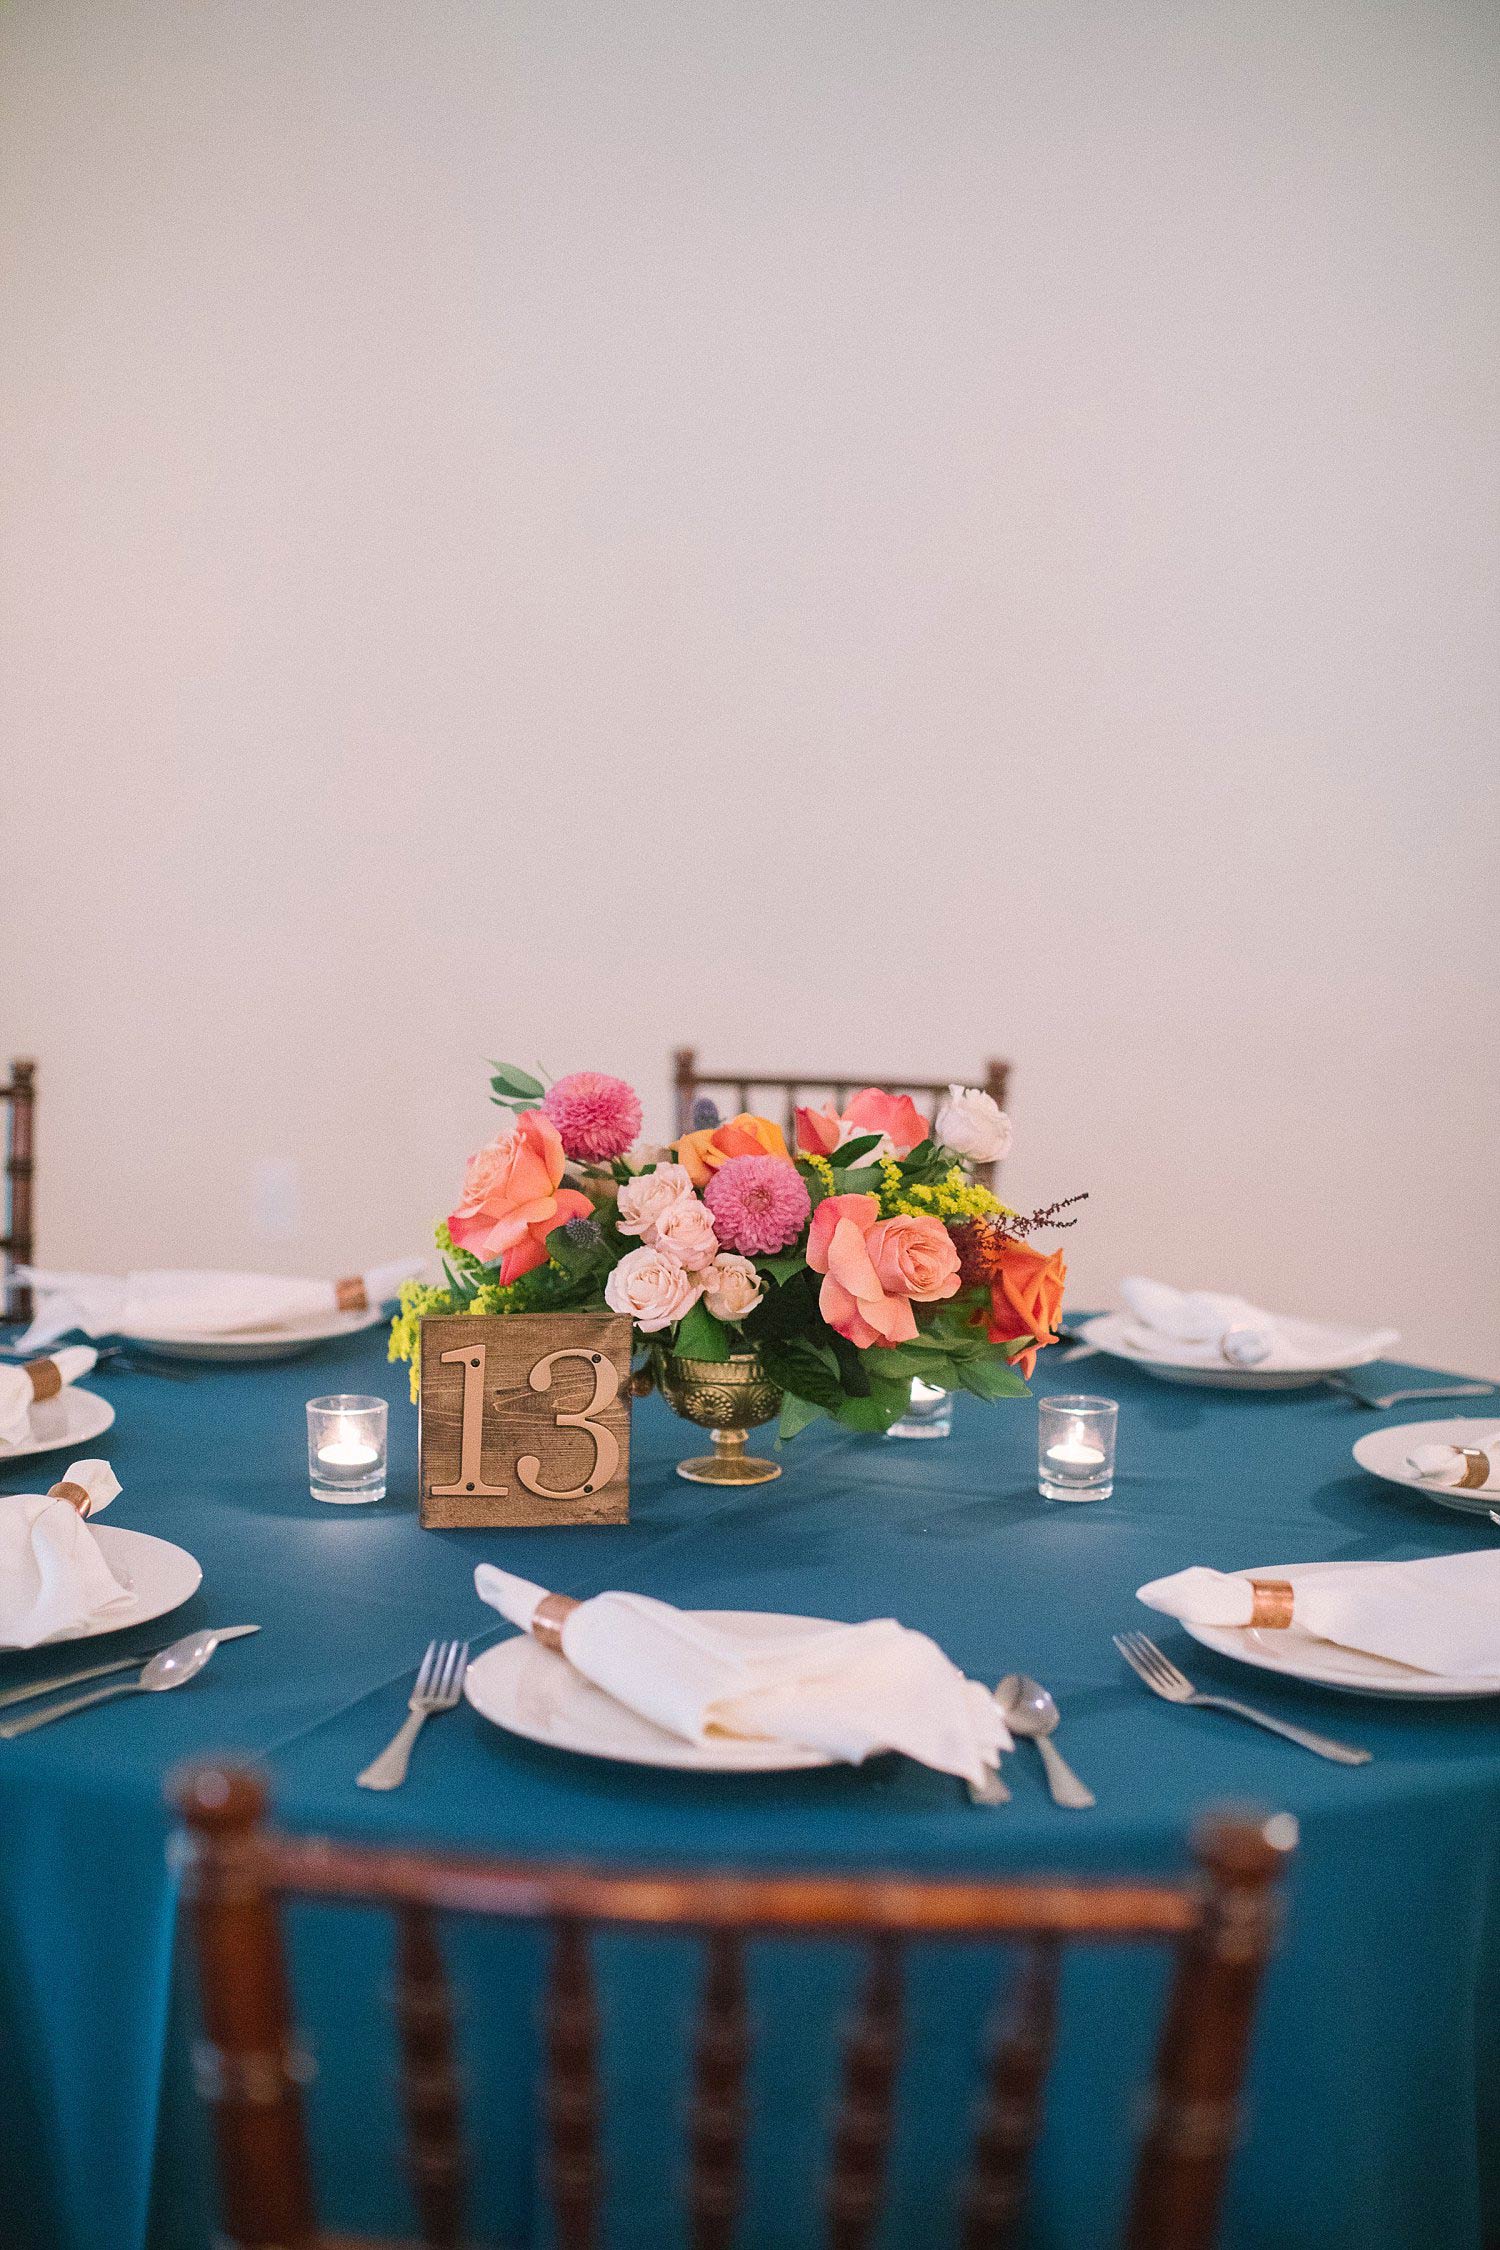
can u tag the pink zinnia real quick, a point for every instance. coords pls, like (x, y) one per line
(759, 1203)
(597, 1117)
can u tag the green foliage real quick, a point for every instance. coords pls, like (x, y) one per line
(796, 1414)
(782, 1264)
(700, 1336)
(514, 1089)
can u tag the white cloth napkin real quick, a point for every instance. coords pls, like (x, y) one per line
(1202, 1328)
(1440, 1615)
(17, 1396)
(190, 1303)
(53, 1576)
(1446, 1465)
(848, 1690)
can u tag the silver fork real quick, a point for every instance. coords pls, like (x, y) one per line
(1163, 1678)
(440, 1679)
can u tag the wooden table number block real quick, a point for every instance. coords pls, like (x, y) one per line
(525, 1419)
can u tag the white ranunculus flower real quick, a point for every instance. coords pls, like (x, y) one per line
(686, 1228)
(973, 1124)
(732, 1287)
(644, 1199)
(653, 1288)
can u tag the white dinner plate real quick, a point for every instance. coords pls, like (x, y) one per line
(1383, 1452)
(62, 1423)
(1302, 1656)
(161, 1577)
(282, 1342)
(1334, 1349)
(531, 1690)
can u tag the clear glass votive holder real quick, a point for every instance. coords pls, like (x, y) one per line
(346, 1448)
(1076, 1448)
(930, 1413)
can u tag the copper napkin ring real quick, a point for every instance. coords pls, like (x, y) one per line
(548, 1617)
(74, 1494)
(350, 1295)
(46, 1379)
(1476, 1468)
(1272, 1604)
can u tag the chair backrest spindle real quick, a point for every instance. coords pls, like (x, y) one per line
(430, 2099)
(862, 2134)
(718, 2120)
(572, 2100)
(1010, 2113)
(19, 1239)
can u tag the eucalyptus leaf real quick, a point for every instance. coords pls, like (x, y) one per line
(860, 1179)
(512, 1086)
(854, 1149)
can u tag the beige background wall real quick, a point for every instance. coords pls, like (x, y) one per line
(866, 533)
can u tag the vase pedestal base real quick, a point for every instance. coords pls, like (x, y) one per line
(728, 1463)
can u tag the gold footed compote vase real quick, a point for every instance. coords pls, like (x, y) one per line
(730, 1397)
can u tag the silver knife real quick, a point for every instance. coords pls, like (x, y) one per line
(121, 1664)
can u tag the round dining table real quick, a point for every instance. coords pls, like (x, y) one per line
(1373, 2115)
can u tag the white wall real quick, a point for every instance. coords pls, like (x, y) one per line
(851, 533)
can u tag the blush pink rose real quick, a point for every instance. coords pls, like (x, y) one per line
(513, 1197)
(854, 1300)
(914, 1257)
(686, 1228)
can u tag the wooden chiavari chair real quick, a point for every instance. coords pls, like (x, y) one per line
(745, 1088)
(1220, 1923)
(18, 1242)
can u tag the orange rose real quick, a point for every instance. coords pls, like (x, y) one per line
(701, 1154)
(512, 1198)
(1025, 1300)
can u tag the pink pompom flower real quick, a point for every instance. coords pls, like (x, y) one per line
(759, 1203)
(597, 1117)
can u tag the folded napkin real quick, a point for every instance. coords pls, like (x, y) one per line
(1471, 1468)
(21, 1388)
(198, 1303)
(848, 1690)
(1439, 1615)
(54, 1579)
(1202, 1328)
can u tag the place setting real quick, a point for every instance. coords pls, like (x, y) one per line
(208, 1315)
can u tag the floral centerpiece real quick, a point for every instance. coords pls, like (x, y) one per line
(833, 1273)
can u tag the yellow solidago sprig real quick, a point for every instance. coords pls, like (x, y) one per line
(952, 1199)
(417, 1298)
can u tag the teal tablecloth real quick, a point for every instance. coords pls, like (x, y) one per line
(1376, 2089)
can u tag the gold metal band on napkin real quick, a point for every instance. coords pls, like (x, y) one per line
(1272, 1605)
(547, 1619)
(350, 1295)
(46, 1378)
(74, 1494)
(1476, 1467)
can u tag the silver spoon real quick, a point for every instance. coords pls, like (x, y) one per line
(174, 1667)
(1029, 1710)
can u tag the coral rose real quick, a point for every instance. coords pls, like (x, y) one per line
(745, 1135)
(652, 1288)
(915, 1257)
(895, 1117)
(1025, 1300)
(513, 1199)
(854, 1299)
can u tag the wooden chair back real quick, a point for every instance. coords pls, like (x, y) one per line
(250, 2067)
(745, 1088)
(18, 1242)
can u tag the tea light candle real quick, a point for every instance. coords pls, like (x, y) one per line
(346, 1440)
(1076, 1448)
